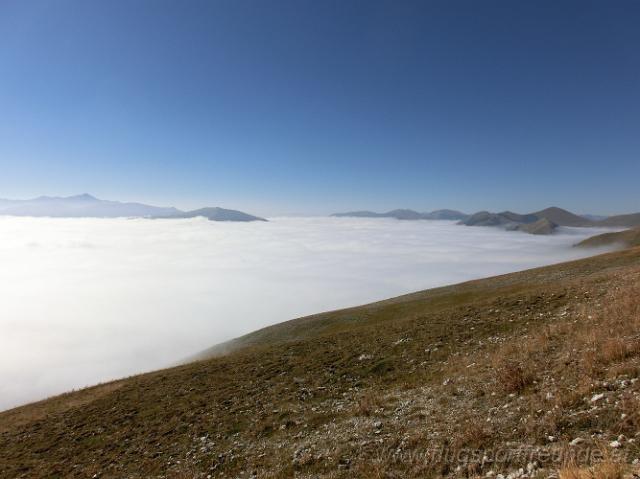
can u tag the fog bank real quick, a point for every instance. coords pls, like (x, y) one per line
(88, 300)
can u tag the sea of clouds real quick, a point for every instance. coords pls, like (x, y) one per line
(88, 300)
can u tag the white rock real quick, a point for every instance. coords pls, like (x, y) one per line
(597, 397)
(576, 441)
(615, 444)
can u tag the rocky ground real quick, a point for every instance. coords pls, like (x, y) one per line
(533, 374)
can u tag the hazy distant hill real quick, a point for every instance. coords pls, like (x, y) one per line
(216, 214)
(594, 217)
(361, 214)
(406, 214)
(87, 206)
(445, 215)
(80, 206)
(621, 220)
(506, 218)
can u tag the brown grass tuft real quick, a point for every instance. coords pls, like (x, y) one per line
(515, 376)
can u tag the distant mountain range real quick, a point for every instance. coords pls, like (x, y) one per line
(553, 217)
(404, 214)
(540, 222)
(87, 206)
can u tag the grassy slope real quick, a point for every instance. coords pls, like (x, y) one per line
(363, 392)
(406, 306)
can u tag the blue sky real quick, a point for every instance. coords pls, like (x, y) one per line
(311, 107)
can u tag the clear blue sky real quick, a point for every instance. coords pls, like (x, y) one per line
(294, 107)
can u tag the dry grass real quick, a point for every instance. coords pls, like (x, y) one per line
(473, 433)
(515, 376)
(41, 409)
(603, 470)
(368, 403)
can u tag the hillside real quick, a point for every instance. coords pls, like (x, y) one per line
(526, 363)
(563, 217)
(630, 220)
(620, 239)
(540, 227)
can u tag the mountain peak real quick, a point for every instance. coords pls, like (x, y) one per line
(83, 197)
(563, 217)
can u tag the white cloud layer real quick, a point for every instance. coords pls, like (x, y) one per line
(88, 300)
